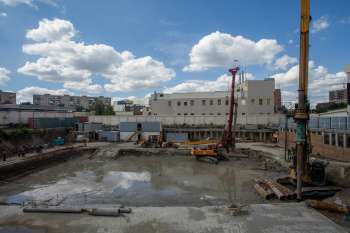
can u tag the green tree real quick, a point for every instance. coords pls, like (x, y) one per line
(103, 109)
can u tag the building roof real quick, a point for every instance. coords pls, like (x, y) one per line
(192, 95)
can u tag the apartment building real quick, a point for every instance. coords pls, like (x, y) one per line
(84, 102)
(7, 97)
(338, 96)
(254, 97)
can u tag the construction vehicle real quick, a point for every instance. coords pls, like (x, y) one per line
(215, 151)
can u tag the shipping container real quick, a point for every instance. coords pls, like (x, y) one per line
(152, 126)
(176, 137)
(109, 136)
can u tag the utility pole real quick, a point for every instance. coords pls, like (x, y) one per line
(301, 115)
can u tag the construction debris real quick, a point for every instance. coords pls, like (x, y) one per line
(330, 206)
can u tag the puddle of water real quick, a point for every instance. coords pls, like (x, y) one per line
(137, 181)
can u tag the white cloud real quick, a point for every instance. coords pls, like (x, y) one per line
(320, 24)
(52, 30)
(220, 50)
(222, 83)
(290, 41)
(345, 20)
(320, 81)
(3, 14)
(27, 2)
(4, 75)
(139, 73)
(63, 60)
(284, 62)
(26, 94)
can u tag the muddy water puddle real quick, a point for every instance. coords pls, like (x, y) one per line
(139, 181)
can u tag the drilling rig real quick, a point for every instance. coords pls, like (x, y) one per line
(213, 151)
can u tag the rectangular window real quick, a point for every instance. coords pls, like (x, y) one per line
(252, 101)
(260, 101)
(185, 103)
(192, 114)
(185, 114)
(219, 113)
(341, 140)
(348, 140)
(211, 102)
(219, 102)
(268, 101)
(192, 102)
(203, 114)
(179, 114)
(169, 103)
(326, 138)
(333, 139)
(178, 103)
(226, 102)
(204, 102)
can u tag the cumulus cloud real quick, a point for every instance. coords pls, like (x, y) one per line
(3, 14)
(320, 24)
(63, 60)
(139, 73)
(220, 50)
(222, 83)
(4, 75)
(27, 2)
(321, 81)
(26, 94)
(284, 62)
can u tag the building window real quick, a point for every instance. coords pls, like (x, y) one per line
(211, 114)
(268, 101)
(243, 113)
(179, 114)
(326, 139)
(219, 113)
(348, 140)
(252, 101)
(333, 139)
(203, 114)
(219, 101)
(192, 114)
(341, 140)
(185, 114)
(211, 102)
(204, 102)
(185, 103)
(260, 101)
(169, 103)
(226, 102)
(161, 95)
(191, 102)
(178, 103)
(227, 114)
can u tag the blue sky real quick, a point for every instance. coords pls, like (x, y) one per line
(160, 36)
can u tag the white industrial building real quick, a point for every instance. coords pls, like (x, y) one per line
(254, 97)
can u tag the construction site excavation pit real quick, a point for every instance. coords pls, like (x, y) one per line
(152, 180)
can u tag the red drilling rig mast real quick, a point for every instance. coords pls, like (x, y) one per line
(228, 141)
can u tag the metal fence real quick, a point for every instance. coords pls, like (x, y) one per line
(335, 123)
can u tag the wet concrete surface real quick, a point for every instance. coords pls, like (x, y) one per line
(261, 218)
(139, 181)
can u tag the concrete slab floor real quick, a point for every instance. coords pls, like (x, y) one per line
(261, 218)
